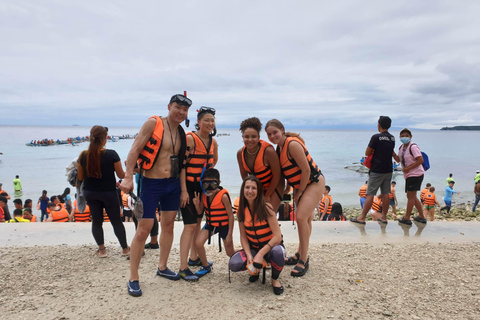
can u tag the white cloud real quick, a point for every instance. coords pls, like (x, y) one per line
(314, 63)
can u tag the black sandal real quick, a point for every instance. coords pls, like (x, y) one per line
(254, 278)
(300, 271)
(278, 290)
(293, 260)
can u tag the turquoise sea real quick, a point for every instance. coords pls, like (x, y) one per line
(44, 167)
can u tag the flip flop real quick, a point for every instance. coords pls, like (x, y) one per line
(300, 271)
(381, 221)
(354, 220)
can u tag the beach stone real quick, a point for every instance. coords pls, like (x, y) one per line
(387, 313)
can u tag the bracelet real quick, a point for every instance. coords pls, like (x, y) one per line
(269, 246)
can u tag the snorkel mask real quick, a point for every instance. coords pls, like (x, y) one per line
(209, 186)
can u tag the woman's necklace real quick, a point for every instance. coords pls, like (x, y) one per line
(250, 153)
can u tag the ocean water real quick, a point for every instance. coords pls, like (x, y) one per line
(42, 168)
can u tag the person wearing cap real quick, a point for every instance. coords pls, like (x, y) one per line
(477, 177)
(382, 146)
(159, 148)
(410, 156)
(3, 192)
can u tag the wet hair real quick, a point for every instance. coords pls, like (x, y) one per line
(27, 202)
(211, 174)
(429, 185)
(17, 212)
(259, 211)
(432, 189)
(44, 195)
(277, 124)
(385, 122)
(93, 154)
(327, 188)
(253, 123)
(17, 176)
(450, 175)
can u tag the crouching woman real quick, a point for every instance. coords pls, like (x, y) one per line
(260, 235)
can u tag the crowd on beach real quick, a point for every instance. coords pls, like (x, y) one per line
(176, 175)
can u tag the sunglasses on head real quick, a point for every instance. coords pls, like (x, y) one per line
(181, 99)
(106, 129)
(206, 110)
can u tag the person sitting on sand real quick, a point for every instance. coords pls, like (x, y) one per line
(325, 206)
(57, 214)
(337, 213)
(18, 204)
(260, 235)
(430, 202)
(3, 192)
(17, 217)
(27, 214)
(217, 205)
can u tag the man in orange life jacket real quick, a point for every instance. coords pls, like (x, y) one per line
(159, 148)
(57, 214)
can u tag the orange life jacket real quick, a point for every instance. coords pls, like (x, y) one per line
(290, 169)
(34, 218)
(258, 232)
(429, 199)
(322, 205)
(148, 155)
(199, 158)
(60, 215)
(390, 195)
(422, 194)
(236, 202)
(260, 170)
(215, 212)
(81, 217)
(342, 218)
(363, 191)
(377, 204)
(105, 217)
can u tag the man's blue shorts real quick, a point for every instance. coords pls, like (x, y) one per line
(164, 193)
(223, 231)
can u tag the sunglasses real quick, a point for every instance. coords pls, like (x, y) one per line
(106, 129)
(206, 109)
(181, 99)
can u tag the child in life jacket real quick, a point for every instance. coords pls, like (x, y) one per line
(216, 203)
(430, 200)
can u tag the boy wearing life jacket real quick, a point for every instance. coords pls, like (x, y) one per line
(376, 209)
(325, 207)
(57, 214)
(430, 200)
(362, 193)
(393, 199)
(219, 217)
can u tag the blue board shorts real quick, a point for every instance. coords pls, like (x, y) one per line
(164, 193)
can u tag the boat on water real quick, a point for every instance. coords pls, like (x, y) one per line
(222, 134)
(358, 167)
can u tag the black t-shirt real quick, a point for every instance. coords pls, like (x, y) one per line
(107, 182)
(383, 143)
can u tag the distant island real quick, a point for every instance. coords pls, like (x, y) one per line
(462, 128)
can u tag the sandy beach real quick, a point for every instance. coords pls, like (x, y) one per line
(384, 275)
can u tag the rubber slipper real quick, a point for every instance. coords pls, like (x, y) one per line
(381, 221)
(278, 290)
(300, 271)
(356, 221)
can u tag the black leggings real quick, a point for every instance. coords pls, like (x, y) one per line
(108, 200)
(276, 257)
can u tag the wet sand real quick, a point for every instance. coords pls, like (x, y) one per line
(377, 276)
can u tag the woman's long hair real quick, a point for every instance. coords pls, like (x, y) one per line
(97, 136)
(67, 191)
(44, 195)
(259, 211)
(277, 124)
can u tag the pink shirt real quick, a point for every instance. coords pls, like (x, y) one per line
(417, 171)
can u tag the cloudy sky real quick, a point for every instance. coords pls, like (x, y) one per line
(321, 64)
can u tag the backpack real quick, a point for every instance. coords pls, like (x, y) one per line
(72, 172)
(426, 162)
